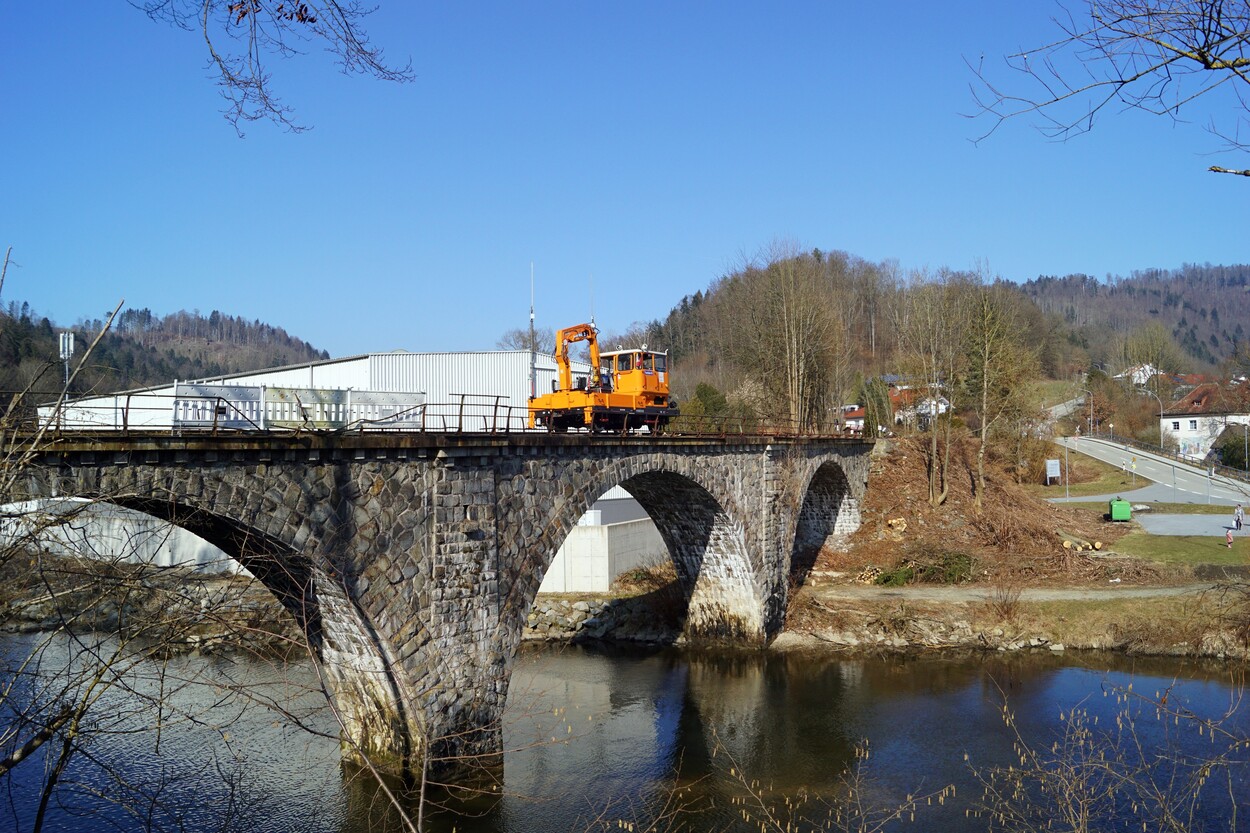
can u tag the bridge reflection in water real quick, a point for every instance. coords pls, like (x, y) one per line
(647, 727)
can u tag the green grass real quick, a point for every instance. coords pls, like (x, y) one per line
(1184, 549)
(1107, 480)
(1054, 391)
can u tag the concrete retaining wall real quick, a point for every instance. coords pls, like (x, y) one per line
(591, 556)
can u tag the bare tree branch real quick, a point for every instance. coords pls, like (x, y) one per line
(1158, 56)
(242, 34)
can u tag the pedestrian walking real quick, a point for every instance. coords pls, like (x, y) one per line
(1228, 536)
(1238, 517)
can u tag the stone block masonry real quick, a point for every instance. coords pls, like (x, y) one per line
(411, 562)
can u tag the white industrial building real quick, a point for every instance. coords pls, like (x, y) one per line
(431, 391)
(484, 391)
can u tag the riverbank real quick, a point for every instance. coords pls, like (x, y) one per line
(169, 610)
(1195, 620)
(186, 613)
(1198, 620)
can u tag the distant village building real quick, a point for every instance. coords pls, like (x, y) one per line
(1196, 420)
(1138, 375)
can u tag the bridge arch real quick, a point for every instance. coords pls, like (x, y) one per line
(828, 510)
(698, 521)
(284, 551)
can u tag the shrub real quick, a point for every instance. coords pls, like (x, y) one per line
(903, 574)
(929, 564)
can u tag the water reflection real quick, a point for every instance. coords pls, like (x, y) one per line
(599, 735)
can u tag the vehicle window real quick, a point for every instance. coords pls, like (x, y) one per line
(661, 363)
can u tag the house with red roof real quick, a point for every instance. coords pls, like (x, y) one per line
(1196, 420)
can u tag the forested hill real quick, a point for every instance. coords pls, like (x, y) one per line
(1203, 307)
(141, 349)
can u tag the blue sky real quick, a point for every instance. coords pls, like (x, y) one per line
(643, 149)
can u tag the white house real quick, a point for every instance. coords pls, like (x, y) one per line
(1138, 375)
(1195, 420)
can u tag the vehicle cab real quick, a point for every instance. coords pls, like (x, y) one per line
(638, 372)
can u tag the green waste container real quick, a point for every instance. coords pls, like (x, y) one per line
(1121, 510)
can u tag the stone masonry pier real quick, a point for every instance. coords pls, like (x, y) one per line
(411, 561)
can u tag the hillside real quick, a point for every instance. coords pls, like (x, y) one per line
(1203, 307)
(141, 349)
(1188, 320)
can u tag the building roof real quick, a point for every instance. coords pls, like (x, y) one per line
(1211, 399)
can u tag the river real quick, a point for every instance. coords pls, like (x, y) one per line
(702, 741)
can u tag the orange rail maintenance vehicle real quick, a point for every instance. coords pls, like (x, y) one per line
(626, 389)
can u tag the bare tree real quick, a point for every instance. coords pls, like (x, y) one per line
(999, 368)
(544, 340)
(780, 325)
(241, 35)
(1159, 56)
(635, 335)
(1152, 346)
(930, 323)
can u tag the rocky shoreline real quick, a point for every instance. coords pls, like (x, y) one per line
(188, 613)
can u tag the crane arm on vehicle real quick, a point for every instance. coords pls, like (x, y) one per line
(581, 332)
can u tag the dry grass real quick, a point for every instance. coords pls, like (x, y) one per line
(1162, 624)
(645, 578)
(1002, 602)
(1015, 532)
(656, 586)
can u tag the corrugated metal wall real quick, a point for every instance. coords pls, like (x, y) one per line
(335, 374)
(460, 388)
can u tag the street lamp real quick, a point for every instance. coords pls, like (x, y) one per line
(1090, 396)
(1160, 401)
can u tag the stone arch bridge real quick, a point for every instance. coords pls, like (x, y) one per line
(411, 560)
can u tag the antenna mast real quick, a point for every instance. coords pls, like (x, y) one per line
(533, 341)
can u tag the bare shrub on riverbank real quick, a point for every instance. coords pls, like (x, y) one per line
(1002, 602)
(1127, 773)
(657, 587)
(854, 806)
(1232, 600)
(1187, 633)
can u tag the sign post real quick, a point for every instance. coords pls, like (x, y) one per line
(1052, 470)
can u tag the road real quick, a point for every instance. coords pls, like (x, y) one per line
(1163, 479)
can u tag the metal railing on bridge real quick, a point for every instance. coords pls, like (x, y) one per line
(223, 410)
